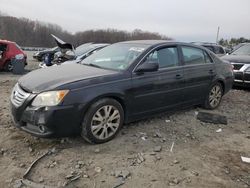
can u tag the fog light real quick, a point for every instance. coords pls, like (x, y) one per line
(42, 129)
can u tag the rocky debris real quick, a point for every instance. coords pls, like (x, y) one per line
(167, 121)
(218, 130)
(120, 173)
(176, 161)
(97, 150)
(17, 184)
(73, 176)
(52, 164)
(174, 181)
(22, 165)
(53, 150)
(212, 118)
(140, 158)
(85, 176)
(152, 153)
(31, 149)
(157, 134)
(248, 120)
(226, 170)
(3, 151)
(98, 169)
(194, 173)
(40, 180)
(137, 159)
(121, 181)
(158, 158)
(142, 135)
(157, 149)
(65, 140)
(79, 164)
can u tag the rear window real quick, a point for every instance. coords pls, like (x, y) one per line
(193, 55)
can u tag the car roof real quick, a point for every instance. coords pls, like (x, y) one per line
(7, 42)
(206, 44)
(154, 43)
(149, 42)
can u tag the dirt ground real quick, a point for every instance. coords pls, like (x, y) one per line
(169, 150)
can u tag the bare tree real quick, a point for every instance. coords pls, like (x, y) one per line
(34, 33)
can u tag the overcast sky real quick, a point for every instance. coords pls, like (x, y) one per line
(183, 20)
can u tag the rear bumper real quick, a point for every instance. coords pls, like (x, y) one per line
(47, 121)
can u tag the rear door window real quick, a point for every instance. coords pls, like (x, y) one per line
(192, 56)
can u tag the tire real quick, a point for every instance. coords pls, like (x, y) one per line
(102, 121)
(8, 67)
(214, 96)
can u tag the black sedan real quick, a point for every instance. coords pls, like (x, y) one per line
(121, 83)
(240, 59)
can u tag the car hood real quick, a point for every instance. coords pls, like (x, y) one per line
(237, 58)
(70, 62)
(52, 77)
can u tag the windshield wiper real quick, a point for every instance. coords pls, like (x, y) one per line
(93, 65)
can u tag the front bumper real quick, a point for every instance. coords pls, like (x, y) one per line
(241, 78)
(47, 121)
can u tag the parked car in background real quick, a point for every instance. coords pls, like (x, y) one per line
(118, 84)
(69, 57)
(85, 52)
(240, 59)
(66, 54)
(237, 46)
(217, 49)
(8, 51)
(41, 54)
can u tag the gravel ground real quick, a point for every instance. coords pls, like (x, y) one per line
(168, 150)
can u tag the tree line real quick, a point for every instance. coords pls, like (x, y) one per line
(26, 32)
(233, 41)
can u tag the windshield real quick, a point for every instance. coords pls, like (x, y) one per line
(243, 50)
(83, 48)
(117, 56)
(18, 46)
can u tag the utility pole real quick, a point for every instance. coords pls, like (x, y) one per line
(217, 37)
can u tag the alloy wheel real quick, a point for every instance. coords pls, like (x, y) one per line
(215, 96)
(105, 122)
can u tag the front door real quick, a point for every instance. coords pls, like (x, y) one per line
(162, 89)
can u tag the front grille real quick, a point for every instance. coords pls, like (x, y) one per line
(18, 96)
(237, 66)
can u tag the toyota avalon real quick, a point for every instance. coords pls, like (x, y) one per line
(121, 83)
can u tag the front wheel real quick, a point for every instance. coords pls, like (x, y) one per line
(8, 66)
(214, 96)
(102, 121)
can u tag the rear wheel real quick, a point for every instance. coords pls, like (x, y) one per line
(102, 121)
(214, 96)
(8, 66)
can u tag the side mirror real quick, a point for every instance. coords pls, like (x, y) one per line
(148, 66)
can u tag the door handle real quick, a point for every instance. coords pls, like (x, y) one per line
(211, 71)
(178, 76)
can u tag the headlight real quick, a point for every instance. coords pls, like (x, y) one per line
(248, 69)
(50, 98)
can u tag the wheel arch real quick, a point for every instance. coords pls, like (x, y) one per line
(118, 97)
(221, 81)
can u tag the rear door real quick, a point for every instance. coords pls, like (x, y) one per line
(153, 91)
(199, 71)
